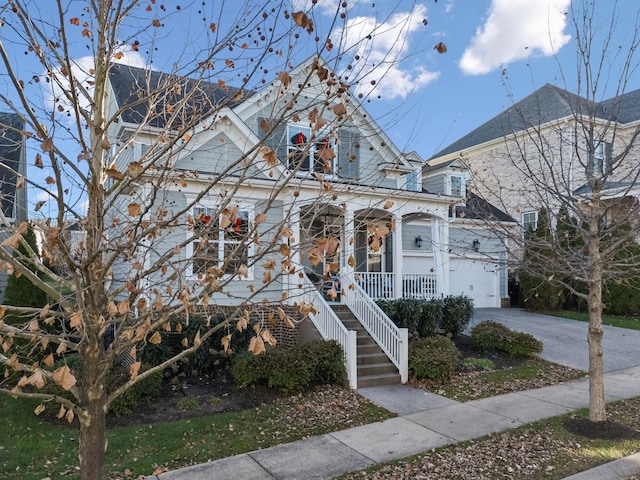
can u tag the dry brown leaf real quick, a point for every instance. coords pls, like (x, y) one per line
(47, 145)
(440, 47)
(284, 78)
(76, 320)
(134, 369)
(155, 338)
(135, 169)
(114, 173)
(39, 409)
(226, 342)
(63, 377)
(256, 346)
(134, 209)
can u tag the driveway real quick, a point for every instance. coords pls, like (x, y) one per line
(565, 341)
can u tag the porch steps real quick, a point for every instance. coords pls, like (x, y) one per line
(374, 367)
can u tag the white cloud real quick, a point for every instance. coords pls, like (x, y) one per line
(516, 29)
(382, 46)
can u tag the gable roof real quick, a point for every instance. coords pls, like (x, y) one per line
(544, 105)
(133, 85)
(476, 208)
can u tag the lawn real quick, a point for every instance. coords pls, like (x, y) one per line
(632, 323)
(34, 448)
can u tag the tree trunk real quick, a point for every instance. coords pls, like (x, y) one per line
(93, 441)
(597, 407)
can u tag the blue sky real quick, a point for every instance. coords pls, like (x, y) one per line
(498, 51)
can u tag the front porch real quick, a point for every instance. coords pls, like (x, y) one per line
(383, 285)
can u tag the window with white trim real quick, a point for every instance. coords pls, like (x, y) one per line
(305, 156)
(529, 221)
(223, 240)
(600, 154)
(457, 186)
(412, 184)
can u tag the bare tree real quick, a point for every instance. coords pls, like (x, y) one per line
(151, 168)
(571, 158)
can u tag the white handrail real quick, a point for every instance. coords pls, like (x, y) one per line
(330, 327)
(392, 340)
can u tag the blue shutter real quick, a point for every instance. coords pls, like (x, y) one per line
(348, 154)
(276, 140)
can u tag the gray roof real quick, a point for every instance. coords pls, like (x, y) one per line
(477, 208)
(546, 104)
(134, 87)
(11, 128)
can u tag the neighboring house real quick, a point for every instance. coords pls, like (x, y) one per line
(395, 239)
(577, 137)
(13, 201)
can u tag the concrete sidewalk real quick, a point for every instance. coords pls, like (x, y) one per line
(425, 421)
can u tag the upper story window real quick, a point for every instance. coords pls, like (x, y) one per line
(335, 152)
(223, 239)
(600, 157)
(457, 186)
(306, 156)
(413, 181)
(529, 221)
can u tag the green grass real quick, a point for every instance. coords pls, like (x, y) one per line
(33, 448)
(632, 323)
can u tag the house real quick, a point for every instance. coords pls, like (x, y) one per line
(552, 133)
(313, 174)
(13, 200)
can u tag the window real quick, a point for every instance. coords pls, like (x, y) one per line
(412, 183)
(305, 157)
(457, 186)
(600, 157)
(224, 241)
(530, 221)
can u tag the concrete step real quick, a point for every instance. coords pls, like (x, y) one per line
(367, 370)
(373, 357)
(376, 380)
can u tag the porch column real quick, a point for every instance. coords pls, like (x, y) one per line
(291, 281)
(349, 243)
(439, 249)
(397, 257)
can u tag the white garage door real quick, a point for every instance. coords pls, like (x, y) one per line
(475, 279)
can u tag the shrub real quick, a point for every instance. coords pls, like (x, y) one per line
(204, 360)
(489, 336)
(433, 358)
(426, 318)
(314, 362)
(20, 292)
(139, 394)
(456, 314)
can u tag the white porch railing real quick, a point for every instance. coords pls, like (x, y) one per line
(331, 328)
(419, 285)
(380, 285)
(394, 341)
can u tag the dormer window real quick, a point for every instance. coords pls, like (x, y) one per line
(412, 182)
(457, 187)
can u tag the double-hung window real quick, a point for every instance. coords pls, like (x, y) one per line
(529, 222)
(457, 186)
(600, 154)
(306, 155)
(222, 239)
